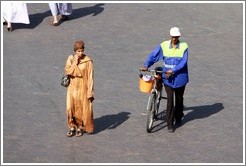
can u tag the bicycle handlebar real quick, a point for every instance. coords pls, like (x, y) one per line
(153, 71)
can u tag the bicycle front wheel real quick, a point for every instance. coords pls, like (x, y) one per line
(150, 112)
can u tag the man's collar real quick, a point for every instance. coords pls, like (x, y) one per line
(170, 45)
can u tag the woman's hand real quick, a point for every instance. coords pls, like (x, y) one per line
(76, 58)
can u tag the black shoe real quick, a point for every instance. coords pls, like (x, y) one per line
(170, 129)
(178, 122)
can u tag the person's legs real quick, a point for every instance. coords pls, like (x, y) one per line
(54, 12)
(70, 123)
(65, 10)
(179, 105)
(170, 109)
(9, 25)
(70, 115)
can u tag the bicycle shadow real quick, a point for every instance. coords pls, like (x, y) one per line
(160, 122)
(198, 112)
(108, 122)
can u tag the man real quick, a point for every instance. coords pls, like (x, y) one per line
(174, 54)
(65, 9)
(14, 13)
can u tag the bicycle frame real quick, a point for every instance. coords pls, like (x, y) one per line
(154, 98)
(155, 88)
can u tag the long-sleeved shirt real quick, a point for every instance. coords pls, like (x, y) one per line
(177, 64)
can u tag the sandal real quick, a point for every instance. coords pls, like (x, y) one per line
(71, 132)
(79, 133)
(54, 23)
(9, 29)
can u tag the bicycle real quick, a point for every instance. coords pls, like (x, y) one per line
(154, 97)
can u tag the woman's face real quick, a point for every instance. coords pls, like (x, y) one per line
(80, 52)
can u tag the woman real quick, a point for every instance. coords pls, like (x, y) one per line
(80, 92)
(65, 9)
(14, 13)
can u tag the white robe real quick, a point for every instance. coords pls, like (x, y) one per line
(15, 12)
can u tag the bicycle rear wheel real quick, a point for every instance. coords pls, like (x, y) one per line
(151, 112)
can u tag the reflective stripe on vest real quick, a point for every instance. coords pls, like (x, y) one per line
(173, 52)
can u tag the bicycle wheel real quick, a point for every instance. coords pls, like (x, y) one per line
(150, 112)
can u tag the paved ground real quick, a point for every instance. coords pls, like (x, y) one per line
(119, 37)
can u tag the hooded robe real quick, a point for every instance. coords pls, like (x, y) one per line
(79, 108)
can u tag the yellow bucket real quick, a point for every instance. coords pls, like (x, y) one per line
(145, 86)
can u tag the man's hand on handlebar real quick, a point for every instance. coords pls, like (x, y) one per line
(168, 73)
(143, 68)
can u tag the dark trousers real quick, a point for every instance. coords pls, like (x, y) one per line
(174, 112)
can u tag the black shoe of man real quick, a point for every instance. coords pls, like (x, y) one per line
(170, 129)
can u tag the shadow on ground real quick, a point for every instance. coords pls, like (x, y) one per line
(197, 112)
(107, 122)
(82, 12)
(37, 18)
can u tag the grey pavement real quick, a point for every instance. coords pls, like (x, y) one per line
(119, 37)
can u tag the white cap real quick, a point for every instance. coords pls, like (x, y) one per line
(175, 31)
